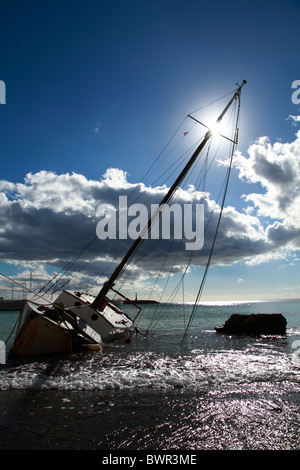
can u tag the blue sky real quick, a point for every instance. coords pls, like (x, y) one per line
(103, 84)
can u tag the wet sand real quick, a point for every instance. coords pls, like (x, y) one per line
(151, 420)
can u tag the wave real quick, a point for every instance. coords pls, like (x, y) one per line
(199, 370)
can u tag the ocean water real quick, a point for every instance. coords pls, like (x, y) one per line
(212, 392)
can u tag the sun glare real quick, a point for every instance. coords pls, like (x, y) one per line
(224, 128)
(215, 128)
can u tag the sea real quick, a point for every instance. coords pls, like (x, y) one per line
(160, 393)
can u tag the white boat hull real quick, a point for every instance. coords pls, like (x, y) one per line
(110, 323)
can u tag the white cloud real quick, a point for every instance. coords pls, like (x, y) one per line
(295, 119)
(49, 218)
(115, 178)
(276, 169)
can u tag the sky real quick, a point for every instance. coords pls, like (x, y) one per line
(93, 92)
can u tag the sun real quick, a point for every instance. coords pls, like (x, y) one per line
(222, 128)
(215, 128)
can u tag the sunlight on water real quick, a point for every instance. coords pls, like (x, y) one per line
(197, 370)
(161, 361)
(212, 392)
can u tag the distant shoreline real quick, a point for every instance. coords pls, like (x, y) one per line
(11, 305)
(18, 304)
(142, 302)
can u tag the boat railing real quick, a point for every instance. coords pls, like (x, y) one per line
(129, 301)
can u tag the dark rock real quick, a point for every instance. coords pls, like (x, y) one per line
(259, 323)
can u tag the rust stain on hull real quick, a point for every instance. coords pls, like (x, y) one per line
(40, 336)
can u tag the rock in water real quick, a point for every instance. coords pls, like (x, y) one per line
(259, 323)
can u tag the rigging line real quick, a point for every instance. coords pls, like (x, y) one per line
(26, 288)
(210, 218)
(142, 256)
(207, 127)
(63, 270)
(203, 278)
(160, 311)
(167, 305)
(183, 300)
(171, 270)
(113, 260)
(141, 240)
(183, 157)
(203, 171)
(82, 267)
(181, 281)
(13, 329)
(159, 156)
(175, 290)
(56, 285)
(205, 175)
(175, 196)
(216, 232)
(173, 148)
(198, 183)
(67, 267)
(221, 188)
(77, 272)
(154, 314)
(212, 102)
(163, 310)
(162, 266)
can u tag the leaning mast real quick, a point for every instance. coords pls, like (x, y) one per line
(113, 278)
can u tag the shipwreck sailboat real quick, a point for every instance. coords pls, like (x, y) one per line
(76, 320)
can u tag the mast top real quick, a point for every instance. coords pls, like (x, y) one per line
(237, 94)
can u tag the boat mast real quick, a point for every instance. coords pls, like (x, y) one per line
(111, 281)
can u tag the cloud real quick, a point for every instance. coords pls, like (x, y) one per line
(295, 119)
(97, 128)
(276, 169)
(50, 218)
